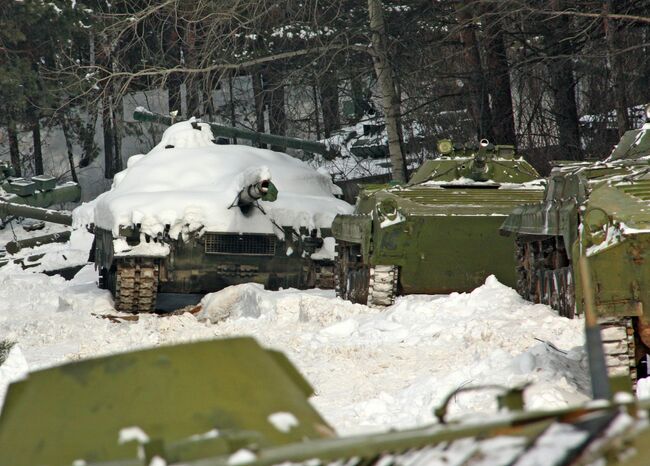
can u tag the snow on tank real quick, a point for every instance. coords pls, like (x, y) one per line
(188, 182)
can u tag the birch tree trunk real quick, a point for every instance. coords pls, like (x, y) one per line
(390, 99)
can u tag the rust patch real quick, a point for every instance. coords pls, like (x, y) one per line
(644, 331)
(636, 254)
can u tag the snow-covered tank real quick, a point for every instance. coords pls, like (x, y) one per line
(192, 216)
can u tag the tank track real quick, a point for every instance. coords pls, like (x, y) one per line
(382, 285)
(136, 285)
(619, 347)
(545, 276)
(351, 277)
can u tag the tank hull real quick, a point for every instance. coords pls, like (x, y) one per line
(204, 264)
(438, 234)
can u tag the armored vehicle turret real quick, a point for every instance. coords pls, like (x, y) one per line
(599, 211)
(192, 217)
(439, 232)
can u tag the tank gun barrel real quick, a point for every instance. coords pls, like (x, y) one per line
(20, 210)
(311, 147)
(263, 189)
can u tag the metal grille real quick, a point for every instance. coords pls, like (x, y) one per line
(232, 243)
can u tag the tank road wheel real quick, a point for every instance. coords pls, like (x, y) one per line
(524, 284)
(382, 285)
(136, 285)
(619, 347)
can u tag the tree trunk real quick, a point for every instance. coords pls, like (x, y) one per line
(258, 91)
(174, 80)
(118, 118)
(359, 99)
(192, 89)
(174, 97)
(329, 96)
(479, 103)
(390, 99)
(498, 71)
(314, 90)
(233, 116)
(560, 68)
(613, 35)
(68, 144)
(277, 114)
(38, 147)
(107, 123)
(14, 150)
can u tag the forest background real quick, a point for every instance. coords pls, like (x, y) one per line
(561, 79)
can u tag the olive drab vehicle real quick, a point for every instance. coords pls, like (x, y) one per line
(227, 402)
(439, 232)
(137, 266)
(39, 191)
(599, 212)
(27, 198)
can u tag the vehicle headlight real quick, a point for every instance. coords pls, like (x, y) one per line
(387, 208)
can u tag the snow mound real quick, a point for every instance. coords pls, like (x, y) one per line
(392, 367)
(371, 369)
(187, 182)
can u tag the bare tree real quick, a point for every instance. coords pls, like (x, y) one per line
(390, 98)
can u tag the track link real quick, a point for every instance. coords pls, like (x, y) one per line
(544, 275)
(351, 277)
(619, 347)
(382, 286)
(136, 285)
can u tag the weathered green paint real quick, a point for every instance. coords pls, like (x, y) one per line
(461, 265)
(76, 411)
(199, 403)
(583, 203)
(67, 192)
(518, 438)
(441, 229)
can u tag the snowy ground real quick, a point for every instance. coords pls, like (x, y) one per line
(372, 369)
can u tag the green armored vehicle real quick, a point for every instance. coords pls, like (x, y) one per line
(39, 191)
(192, 217)
(598, 211)
(232, 402)
(439, 232)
